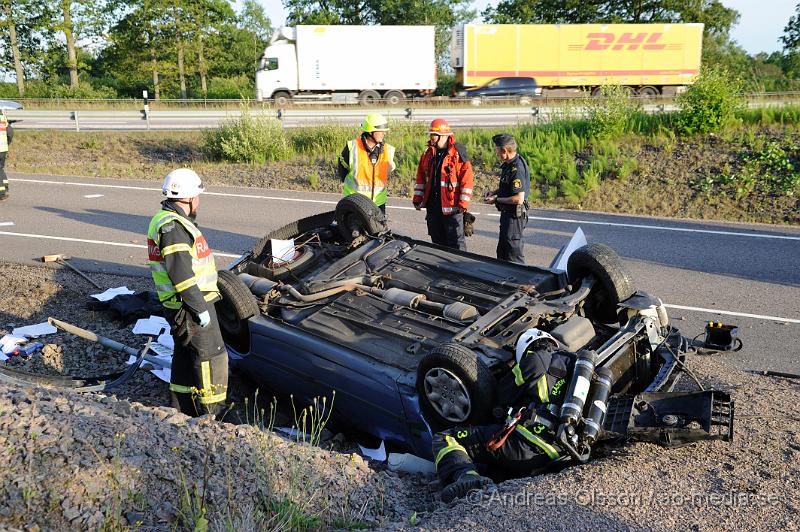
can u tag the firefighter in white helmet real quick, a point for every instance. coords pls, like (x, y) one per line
(185, 276)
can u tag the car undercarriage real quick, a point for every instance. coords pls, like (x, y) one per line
(413, 338)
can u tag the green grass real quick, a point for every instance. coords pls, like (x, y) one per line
(569, 158)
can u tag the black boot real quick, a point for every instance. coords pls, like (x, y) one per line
(466, 483)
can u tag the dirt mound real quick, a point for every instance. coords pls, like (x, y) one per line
(70, 461)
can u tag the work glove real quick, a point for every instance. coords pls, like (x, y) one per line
(204, 318)
(469, 223)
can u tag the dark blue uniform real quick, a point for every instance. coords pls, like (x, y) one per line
(514, 178)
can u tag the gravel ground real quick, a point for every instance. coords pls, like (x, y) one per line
(70, 461)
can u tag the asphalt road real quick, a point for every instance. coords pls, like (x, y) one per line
(736, 273)
(133, 120)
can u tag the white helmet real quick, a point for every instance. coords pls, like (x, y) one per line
(530, 336)
(182, 183)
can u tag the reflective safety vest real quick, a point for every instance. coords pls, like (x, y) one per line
(3, 134)
(203, 266)
(371, 180)
(455, 180)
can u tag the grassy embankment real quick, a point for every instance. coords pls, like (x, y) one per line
(747, 171)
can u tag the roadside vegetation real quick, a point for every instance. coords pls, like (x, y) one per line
(713, 158)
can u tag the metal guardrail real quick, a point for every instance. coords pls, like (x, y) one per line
(208, 118)
(213, 102)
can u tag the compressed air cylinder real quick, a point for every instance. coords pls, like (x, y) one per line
(578, 390)
(598, 404)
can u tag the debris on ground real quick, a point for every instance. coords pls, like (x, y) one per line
(91, 461)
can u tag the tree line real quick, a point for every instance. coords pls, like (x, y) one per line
(208, 49)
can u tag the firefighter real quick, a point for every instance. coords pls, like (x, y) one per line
(367, 161)
(525, 444)
(185, 276)
(510, 198)
(444, 186)
(6, 135)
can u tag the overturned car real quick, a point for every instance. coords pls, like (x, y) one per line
(414, 337)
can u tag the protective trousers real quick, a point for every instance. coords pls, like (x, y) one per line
(458, 450)
(509, 244)
(3, 176)
(199, 382)
(446, 231)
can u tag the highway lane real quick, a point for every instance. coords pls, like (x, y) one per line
(133, 120)
(198, 118)
(737, 268)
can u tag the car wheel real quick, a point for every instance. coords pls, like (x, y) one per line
(648, 91)
(615, 282)
(394, 97)
(234, 309)
(261, 251)
(282, 98)
(369, 97)
(455, 387)
(306, 258)
(357, 214)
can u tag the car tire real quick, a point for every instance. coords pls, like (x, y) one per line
(291, 230)
(648, 91)
(357, 213)
(466, 382)
(304, 261)
(281, 98)
(369, 97)
(615, 282)
(236, 306)
(394, 97)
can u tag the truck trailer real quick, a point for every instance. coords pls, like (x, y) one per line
(348, 63)
(650, 59)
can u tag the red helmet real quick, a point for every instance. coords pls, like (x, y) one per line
(440, 127)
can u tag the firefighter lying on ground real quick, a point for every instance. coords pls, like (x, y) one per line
(525, 443)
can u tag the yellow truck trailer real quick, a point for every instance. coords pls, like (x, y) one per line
(650, 58)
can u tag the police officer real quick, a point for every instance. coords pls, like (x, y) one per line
(510, 198)
(525, 444)
(366, 162)
(185, 276)
(6, 135)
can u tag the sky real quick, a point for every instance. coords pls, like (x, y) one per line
(760, 25)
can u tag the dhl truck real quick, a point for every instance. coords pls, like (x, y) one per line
(650, 59)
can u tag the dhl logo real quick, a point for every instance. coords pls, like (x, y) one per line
(629, 41)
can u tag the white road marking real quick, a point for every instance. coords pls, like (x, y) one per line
(100, 242)
(493, 215)
(92, 196)
(6, 224)
(729, 313)
(664, 228)
(141, 246)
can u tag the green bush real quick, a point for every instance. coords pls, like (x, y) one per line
(445, 85)
(84, 90)
(326, 141)
(231, 88)
(612, 113)
(247, 139)
(710, 103)
(8, 90)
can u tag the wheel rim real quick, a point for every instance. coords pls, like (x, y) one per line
(447, 394)
(648, 92)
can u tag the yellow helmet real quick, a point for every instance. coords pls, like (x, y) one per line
(374, 122)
